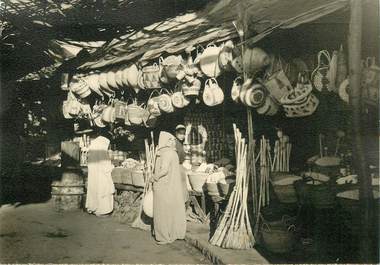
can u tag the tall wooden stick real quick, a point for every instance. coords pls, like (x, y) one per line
(365, 194)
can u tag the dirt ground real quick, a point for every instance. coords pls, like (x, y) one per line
(35, 233)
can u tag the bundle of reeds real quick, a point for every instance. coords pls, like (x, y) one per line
(282, 151)
(234, 230)
(150, 152)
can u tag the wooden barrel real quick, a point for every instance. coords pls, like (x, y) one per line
(67, 192)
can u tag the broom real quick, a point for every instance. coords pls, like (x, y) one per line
(226, 219)
(234, 229)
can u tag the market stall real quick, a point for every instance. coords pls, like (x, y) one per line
(267, 143)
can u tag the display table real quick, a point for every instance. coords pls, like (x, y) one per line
(128, 187)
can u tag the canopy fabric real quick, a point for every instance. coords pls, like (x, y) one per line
(213, 24)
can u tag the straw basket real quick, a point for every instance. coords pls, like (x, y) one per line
(197, 180)
(135, 114)
(278, 239)
(321, 196)
(226, 189)
(212, 188)
(285, 193)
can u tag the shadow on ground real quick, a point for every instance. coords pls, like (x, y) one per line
(27, 184)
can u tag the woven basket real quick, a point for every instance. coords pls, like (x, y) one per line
(197, 180)
(278, 239)
(135, 114)
(165, 103)
(212, 188)
(226, 189)
(322, 196)
(285, 193)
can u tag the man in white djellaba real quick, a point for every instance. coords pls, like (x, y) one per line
(100, 188)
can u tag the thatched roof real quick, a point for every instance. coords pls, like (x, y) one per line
(170, 31)
(212, 24)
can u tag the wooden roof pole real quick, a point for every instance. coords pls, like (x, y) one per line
(360, 164)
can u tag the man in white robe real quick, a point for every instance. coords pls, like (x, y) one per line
(100, 187)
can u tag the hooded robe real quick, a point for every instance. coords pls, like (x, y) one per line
(168, 193)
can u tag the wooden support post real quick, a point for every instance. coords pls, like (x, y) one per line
(354, 55)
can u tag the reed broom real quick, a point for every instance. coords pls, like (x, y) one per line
(233, 231)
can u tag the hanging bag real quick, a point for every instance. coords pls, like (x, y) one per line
(178, 99)
(96, 115)
(236, 88)
(300, 102)
(226, 57)
(151, 76)
(255, 96)
(212, 95)
(165, 102)
(71, 106)
(135, 113)
(152, 103)
(171, 65)
(208, 61)
(277, 83)
(321, 74)
(93, 82)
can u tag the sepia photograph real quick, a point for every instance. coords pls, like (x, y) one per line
(189, 131)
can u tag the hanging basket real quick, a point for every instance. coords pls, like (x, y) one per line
(191, 89)
(135, 114)
(151, 76)
(171, 66)
(165, 103)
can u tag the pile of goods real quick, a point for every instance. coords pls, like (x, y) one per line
(234, 229)
(130, 172)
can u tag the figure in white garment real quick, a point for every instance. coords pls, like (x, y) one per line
(100, 188)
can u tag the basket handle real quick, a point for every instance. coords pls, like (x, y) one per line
(266, 227)
(292, 228)
(167, 91)
(160, 60)
(155, 91)
(214, 80)
(239, 78)
(286, 218)
(326, 54)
